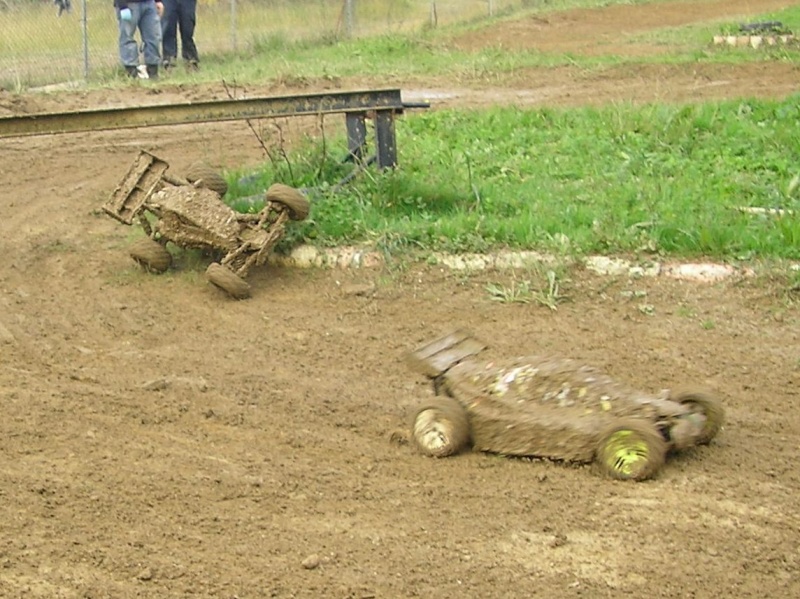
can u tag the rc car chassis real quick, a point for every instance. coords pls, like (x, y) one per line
(190, 213)
(552, 408)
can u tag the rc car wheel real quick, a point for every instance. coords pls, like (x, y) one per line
(203, 175)
(151, 255)
(297, 204)
(440, 427)
(707, 405)
(631, 450)
(227, 280)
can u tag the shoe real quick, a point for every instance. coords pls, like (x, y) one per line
(152, 71)
(168, 63)
(192, 65)
(132, 72)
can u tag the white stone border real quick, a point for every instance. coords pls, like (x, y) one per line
(308, 256)
(754, 41)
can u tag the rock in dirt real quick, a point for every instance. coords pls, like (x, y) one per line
(160, 384)
(399, 437)
(5, 335)
(156, 385)
(359, 289)
(703, 272)
(311, 562)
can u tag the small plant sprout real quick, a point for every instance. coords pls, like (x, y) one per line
(515, 293)
(794, 184)
(524, 293)
(551, 296)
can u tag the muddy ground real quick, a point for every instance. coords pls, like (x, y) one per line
(160, 440)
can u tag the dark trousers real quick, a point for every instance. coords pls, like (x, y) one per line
(179, 15)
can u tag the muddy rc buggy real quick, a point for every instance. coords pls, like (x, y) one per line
(190, 213)
(552, 408)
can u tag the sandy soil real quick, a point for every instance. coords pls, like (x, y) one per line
(160, 440)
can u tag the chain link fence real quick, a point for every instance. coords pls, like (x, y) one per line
(47, 42)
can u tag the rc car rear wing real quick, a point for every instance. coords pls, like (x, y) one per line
(438, 356)
(147, 175)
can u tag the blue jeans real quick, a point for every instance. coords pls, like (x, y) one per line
(145, 18)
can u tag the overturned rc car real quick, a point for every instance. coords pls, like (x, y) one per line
(190, 213)
(552, 408)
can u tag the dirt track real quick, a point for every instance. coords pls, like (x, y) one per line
(159, 440)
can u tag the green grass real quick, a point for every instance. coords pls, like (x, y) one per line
(649, 179)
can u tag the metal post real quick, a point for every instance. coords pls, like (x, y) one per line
(233, 25)
(356, 134)
(349, 17)
(85, 32)
(384, 139)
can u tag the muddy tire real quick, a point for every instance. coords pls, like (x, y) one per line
(151, 255)
(297, 204)
(631, 450)
(440, 427)
(706, 404)
(227, 280)
(203, 175)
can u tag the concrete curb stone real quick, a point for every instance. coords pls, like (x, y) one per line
(307, 256)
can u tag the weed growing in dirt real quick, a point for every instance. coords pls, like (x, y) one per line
(547, 294)
(513, 293)
(551, 295)
(650, 179)
(524, 292)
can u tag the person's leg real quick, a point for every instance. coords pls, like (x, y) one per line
(169, 32)
(150, 28)
(128, 48)
(187, 10)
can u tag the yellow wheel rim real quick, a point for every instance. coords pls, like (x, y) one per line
(626, 454)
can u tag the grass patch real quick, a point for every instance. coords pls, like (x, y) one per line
(545, 291)
(649, 179)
